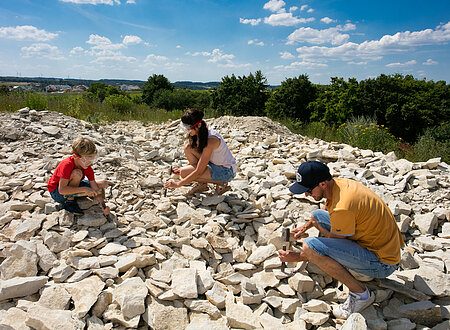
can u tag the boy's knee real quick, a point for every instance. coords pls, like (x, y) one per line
(76, 175)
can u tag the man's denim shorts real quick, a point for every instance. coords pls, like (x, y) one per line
(221, 173)
(347, 252)
(62, 198)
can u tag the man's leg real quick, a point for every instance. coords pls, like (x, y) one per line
(334, 269)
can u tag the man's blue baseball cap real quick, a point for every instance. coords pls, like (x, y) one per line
(309, 175)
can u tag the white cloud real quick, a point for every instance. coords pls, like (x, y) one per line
(77, 50)
(293, 8)
(114, 57)
(250, 21)
(42, 50)
(313, 36)
(255, 42)
(310, 10)
(102, 43)
(430, 62)
(398, 64)
(93, 2)
(302, 8)
(26, 32)
(275, 6)
(131, 1)
(217, 56)
(158, 58)
(302, 64)
(131, 40)
(357, 63)
(285, 19)
(376, 49)
(286, 55)
(327, 20)
(178, 46)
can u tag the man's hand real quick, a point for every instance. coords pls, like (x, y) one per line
(290, 256)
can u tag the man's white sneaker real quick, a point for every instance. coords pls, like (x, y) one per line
(353, 304)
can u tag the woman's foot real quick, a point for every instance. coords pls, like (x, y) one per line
(198, 188)
(221, 189)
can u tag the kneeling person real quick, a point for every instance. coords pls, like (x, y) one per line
(359, 233)
(67, 182)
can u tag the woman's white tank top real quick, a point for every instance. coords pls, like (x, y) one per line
(222, 155)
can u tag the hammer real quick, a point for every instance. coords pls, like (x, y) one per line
(170, 172)
(285, 239)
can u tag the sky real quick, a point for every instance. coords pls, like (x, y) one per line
(206, 40)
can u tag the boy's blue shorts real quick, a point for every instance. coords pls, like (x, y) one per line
(62, 198)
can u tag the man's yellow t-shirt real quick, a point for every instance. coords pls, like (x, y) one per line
(359, 213)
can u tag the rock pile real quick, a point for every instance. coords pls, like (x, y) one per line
(206, 262)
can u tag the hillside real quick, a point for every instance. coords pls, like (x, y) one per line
(172, 262)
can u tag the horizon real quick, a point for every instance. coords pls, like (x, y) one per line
(208, 40)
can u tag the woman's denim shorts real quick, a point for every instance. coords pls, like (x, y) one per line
(221, 173)
(57, 197)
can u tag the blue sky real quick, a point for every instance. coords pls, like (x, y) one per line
(205, 40)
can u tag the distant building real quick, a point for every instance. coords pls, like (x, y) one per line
(129, 87)
(80, 88)
(58, 88)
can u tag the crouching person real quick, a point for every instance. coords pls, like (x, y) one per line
(67, 181)
(359, 233)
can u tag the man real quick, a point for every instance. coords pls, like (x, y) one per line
(359, 233)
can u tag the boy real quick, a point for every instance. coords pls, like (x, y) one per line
(67, 181)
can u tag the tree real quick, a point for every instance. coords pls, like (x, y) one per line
(4, 89)
(337, 102)
(291, 99)
(153, 84)
(241, 96)
(101, 90)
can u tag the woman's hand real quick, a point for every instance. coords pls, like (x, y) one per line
(171, 184)
(176, 171)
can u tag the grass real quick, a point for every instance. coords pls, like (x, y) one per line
(363, 133)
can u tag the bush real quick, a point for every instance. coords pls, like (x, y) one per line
(35, 101)
(364, 133)
(119, 103)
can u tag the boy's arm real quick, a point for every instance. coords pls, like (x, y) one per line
(65, 189)
(99, 197)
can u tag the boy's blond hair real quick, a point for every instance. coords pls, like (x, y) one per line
(84, 146)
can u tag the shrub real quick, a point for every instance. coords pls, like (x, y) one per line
(364, 133)
(35, 101)
(119, 103)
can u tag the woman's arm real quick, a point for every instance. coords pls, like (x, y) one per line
(202, 164)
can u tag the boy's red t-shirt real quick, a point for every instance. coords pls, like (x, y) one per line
(64, 169)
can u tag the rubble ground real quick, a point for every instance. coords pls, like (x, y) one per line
(211, 262)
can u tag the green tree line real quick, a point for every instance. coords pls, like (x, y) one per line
(404, 108)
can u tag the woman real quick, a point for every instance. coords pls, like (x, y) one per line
(210, 160)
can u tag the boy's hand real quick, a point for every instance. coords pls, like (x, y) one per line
(106, 210)
(89, 192)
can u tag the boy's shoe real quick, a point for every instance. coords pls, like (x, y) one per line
(72, 207)
(353, 304)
